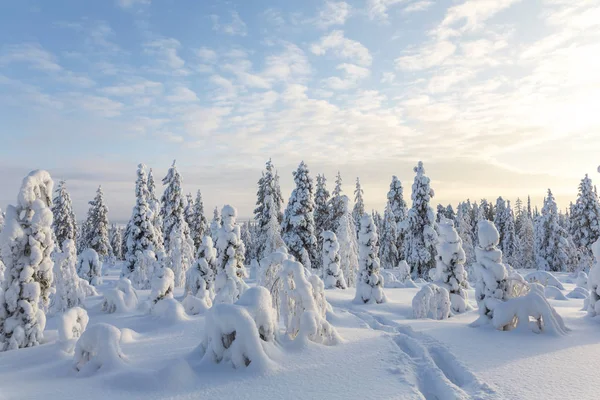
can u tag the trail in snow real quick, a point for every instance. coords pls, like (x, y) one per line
(428, 364)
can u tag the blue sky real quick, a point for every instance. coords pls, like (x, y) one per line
(497, 97)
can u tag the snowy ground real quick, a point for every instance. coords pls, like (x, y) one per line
(385, 354)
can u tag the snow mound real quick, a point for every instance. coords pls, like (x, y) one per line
(391, 280)
(530, 312)
(129, 335)
(98, 349)
(552, 292)
(121, 299)
(594, 282)
(163, 285)
(545, 278)
(170, 310)
(71, 326)
(231, 337)
(582, 280)
(578, 293)
(195, 305)
(259, 304)
(431, 301)
(88, 289)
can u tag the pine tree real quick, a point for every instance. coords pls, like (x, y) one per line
(501, 221)
(201, 277)
(525, 243)
(336, 208)
(199, 225)
(246, 238)
(64, 223)
(420, 240)
(298, 226)
(229, 284)
(348, 243)
(179, 245)
(450, 212)
(140, 235)
(333, 276)
(585, 216)
(97, 226)
(529, 214)
(69, 292)
(116, 240)
(440, 213)
(321, 205)
(388, 253)
(215, 225)
(369, 288)
(188, 211)
(271, 235)
(157, 222)
(465, 231)
(27, 242)
(278, 198)
(267, 205)
(552, 247)
(509, 240)
(359, 205)
(519, 212)
(398, 206)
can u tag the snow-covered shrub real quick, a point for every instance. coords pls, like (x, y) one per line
(144, 265)
(544, 278)
(89, 267)
(196, 305)
(72, 324)
(87, 289)
(578, 293)
(333, 276)
(26, 243)
(163, 285)
(369, 288)
(269, 272)
(229, 283)
(69, 291)
(402, 271)
(552, 292)
(431, 301)
(200, 277)
(169, 309)
(180, 256)
(594, 282)
(450, 271)
(259, 304)
(582, 280)
(529, 312)
(300, 296)
(98, 349)
(492, 285)
(123, 298)
(231, 336)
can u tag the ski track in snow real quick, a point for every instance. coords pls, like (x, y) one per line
(428, 364)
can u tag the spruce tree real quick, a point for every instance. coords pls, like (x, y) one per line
(69, 292)
(116, 240)
(450, 271)
(336, 206)
(321, 205)
(188, 211)
(348, 243)
(97, 226)
(388, 253)
(525, 243)
(298, 226)
(64, 223)
(465, 231)
(199, 225)
(421, 238)
(395, 198)
(333, 276)
(450, 212)
(440, 213)
(369, 287)
(157, 222)
(359, 205)
(585, 216)
(27, 242)
(215, 225)
(267, 205)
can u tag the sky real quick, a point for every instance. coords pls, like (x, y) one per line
(496, 97)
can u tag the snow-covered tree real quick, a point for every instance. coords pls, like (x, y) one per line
(154, 206)
(188, 211)
(64, 223)
(97, 226)
(395, 198)
(369, 287)
(440, 213)
(593, 282)
(348, 243)
(450, 271)
(181, 252)
(524, 256)
(89, 266)
(198, 225)
(246, 238)
(450, 212)
(229, 283)
(420, 237)
(268, 207)
(553, 249)
(69, 292)
(465, 232)
(116, 240)
(492, 285)
(163, 285)
(336, 207)
(200, 279)
(271, 237)
(298, 226)
(388, 253)
(27, 242)
(359, 205)
(333, 276)
(215, 225)
(585, 216)
(321, 205)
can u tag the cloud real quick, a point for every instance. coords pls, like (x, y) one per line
(333, 13)
(166, 52)
(352, 75)
(378, 9)
(471, 15)
(131, 3)
(182, 94)
(418, 6)
(235, 27)
(342, 47)
(290, 64)
(145, 87)
(32, 54)
(207, 55)
(101, 106)
(427, 56)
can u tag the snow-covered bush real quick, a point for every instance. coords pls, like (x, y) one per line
(582, 280)
(269, 272)
(123, 298)
(369, 288)
(163, 285)
(492, 286)
(298, 297)
(200, 277)
(552, 292)
(170, 310)
(450, 271)
(545, 278)
(26, 244)
(594, 282)
(98, 349)
(333, 276)
(578, 293)
(431, 301)
(229, 282)
(89, 267)
(529, 312)
(145, 264)
(196, 305)
(69, 291)
(259, 304)
(403, 271)
(72, 324)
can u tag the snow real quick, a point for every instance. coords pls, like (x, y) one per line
(121, 299)
(89, 267)
(545, 278)
(431, 301)
(98, 349)
(72, 324)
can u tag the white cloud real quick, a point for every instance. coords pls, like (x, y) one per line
(388, 77)
(429, 55)
(290, 64)
(333, 13)
(207, 55)
(342, 47)
(418, 6)
(102, 106)
(145, 87)
(201, 121)
(32, 54)
(236, 27)
(352, 75)
(131, 3)
(471, 15)
(378, 9)
(182, 94)
(166, 52)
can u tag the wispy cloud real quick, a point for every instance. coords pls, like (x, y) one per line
(342, 47)
(234, 27)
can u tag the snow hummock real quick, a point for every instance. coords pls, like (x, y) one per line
(544, 278)
(432, 301)
(121, 299)
(98, 349)
(72, 324)
(163, 285)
